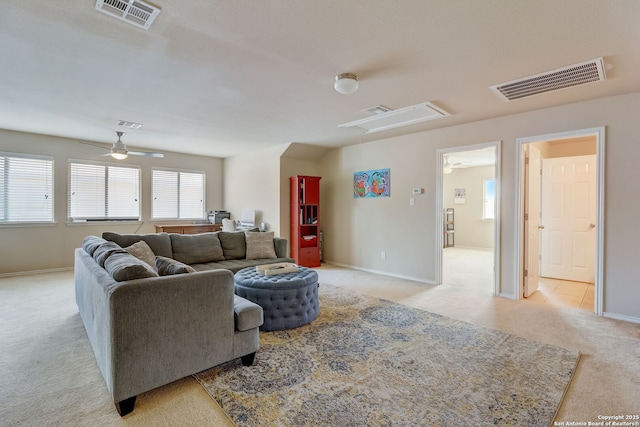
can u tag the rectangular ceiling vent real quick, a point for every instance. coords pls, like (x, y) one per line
(560, 78)
(128, 125)
(395, 118)
(134, 12)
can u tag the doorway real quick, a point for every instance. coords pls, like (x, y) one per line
(467, 207)
(559, 215)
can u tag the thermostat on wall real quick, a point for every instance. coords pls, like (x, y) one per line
(416, 191)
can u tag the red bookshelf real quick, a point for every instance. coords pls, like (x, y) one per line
(305, 220)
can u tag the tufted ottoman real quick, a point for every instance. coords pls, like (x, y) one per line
(288, 300)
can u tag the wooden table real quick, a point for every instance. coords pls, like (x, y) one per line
(188, 228)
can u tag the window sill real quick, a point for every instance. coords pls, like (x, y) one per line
(27, 224)
(94, 223)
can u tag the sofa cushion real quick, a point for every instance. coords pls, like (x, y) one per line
(196, 248)
(260, 245)
(123, 266)
(168, 266)
(234, 244)
(143, 252)
(104, 251)
(91, 243)
(159, 243)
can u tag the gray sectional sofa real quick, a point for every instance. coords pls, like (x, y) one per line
(149, 323)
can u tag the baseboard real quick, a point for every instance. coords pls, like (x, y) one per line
(382, 273)
(30, 272)
(472, 248)
(621, 317)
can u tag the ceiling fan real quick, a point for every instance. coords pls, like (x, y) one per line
(119, 150)
(448, 167)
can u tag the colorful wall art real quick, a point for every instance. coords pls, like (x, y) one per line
(371, 183)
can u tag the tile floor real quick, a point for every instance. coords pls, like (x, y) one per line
(564, 293)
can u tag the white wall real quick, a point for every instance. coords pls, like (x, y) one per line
(355, 231)
(471, 230)
(252, 181)
(29, 248)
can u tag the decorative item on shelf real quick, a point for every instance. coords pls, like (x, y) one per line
(277, 268)
(264, 226)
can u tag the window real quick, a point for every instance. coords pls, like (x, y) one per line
(26, 188)
(103, 192)
(178, 194)
(489, 193)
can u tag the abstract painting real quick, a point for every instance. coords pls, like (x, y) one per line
(371, 183)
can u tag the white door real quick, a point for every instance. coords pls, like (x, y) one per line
(533, 170)
(568, 217)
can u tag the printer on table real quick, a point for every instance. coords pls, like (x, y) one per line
(215, 217)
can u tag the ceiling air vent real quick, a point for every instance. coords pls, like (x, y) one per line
(560, 78)
(395, 118)
(134, 12)
(128, 125)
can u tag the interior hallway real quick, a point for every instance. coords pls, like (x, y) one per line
(470, 269)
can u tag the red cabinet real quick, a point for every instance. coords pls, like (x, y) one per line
(305, 220)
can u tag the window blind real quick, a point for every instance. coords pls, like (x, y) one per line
(177, 194)
(26, 188)
(102, 192)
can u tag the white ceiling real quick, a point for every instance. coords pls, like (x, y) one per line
(224, 77)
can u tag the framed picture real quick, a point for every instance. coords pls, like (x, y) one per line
(371, 183)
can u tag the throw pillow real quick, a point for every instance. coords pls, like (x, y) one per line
(91, 243)
(228, 224)
(168, 266)
(104, 251)
(160, 243)
(143, 252)
(196, 248)
(233, 244)
(260, 245)
(123, 266)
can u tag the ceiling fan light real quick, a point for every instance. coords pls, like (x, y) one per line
(346, 83)
(447, 170)
(119, 154)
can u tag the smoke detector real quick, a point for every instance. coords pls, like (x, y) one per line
(135, 12)
(550, 81)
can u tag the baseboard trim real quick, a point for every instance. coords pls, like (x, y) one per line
(383, 273)
(30, 272)
(621, 317)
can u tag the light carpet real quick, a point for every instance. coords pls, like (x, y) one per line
(370, 362)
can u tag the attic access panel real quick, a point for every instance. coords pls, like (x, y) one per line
(397, 118)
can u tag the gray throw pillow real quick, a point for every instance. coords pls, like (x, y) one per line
(168, 266)
(160, 243)
(196, 248)
(104, 251)
(123, 266)
(91, 243)
(234, 244)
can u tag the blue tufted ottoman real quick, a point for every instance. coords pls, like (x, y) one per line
(288, 300)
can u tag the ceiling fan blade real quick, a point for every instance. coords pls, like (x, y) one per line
(94, 145)
(146, 153)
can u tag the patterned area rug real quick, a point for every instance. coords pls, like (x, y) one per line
(370, 362)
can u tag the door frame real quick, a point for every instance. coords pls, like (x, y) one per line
(599, 133)
(439, 240)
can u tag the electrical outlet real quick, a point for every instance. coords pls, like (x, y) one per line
(412, 201)
(383, 255)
